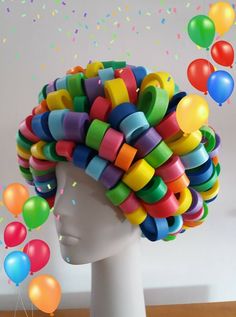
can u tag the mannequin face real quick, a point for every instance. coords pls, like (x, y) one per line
(89, 227)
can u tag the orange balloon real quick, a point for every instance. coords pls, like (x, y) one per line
(14, 197)
(45, 293)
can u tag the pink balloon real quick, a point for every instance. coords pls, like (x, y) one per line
(14, 234)
(39, 253)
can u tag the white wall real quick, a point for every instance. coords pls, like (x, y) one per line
(200, 265)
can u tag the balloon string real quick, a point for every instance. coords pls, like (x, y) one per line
(17, 302)
(22, 303)
(32, 309)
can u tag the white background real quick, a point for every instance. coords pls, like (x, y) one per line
(39, 41)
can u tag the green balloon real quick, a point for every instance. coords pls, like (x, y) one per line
(201, 30)
(35, 212)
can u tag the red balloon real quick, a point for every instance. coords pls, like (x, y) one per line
(14, 234)
(198, 73)
(223, 53)
(39, 253)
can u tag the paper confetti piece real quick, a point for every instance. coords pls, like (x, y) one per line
(73, 202)
(1, 219)
(163, 21)
(60, 238)
(67, 259)
(74, 184)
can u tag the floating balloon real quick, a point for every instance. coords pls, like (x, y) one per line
(201, 30)
(220, 86)
(45, 293)
(192, 112)
(17, 266)
(223, 53)
(14, 234)
(223, 15)
(198, 73)
(39, 253)
(35, 212)
(14, 197)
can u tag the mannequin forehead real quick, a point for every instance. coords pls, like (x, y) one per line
(92, 228)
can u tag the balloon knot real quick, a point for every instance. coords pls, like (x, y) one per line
(51, 315)
(29, 229)
(6, 247)
(231, 66)
(205, 93)
(220, 104)
(17, 284)
(207, 48)
(31, 273)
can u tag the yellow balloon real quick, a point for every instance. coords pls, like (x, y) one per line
(14, 197)
(192, 112)
(223, 15)
(45, 293)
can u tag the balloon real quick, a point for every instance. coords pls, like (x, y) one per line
(45, 293)
(17, 266)
(14, 197)
(198, 73)
(201, 30)
(192, 112)
(223, 15)
(39, 253)
(35, 212)
(14, 234)
(223, 53)
(220, 86)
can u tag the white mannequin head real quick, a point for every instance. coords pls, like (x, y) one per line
(90, 228)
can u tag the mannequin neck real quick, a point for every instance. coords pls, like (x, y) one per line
(117, 289)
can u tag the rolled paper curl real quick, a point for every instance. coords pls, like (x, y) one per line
(185, 200)
(155, 228)
(154, 191)
(59, 99)
(134, 125)
(195, 158)
(169, 126)
(106, 74)
(200, 174)
(116, 91)
(164, 208)
(137, 216)
(147, 142)
(125, 157)
(171, 170)
(175, 224)
(186, 143)
(128, 77)
(153, 102)
(138, 175)
(100, 109)
(130, 204)
(178, 184)
(84, 118)
(119, 113)
(95, 167)
(111, 144)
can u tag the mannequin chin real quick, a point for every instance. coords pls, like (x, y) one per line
(90, 229)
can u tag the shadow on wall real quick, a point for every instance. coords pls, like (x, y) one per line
(155, 296)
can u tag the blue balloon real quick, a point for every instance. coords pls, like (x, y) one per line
(17, 266)
(220, 86)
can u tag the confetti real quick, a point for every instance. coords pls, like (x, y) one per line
(148, 27)
(49, 186)
(73, 202)
(67, 259)
(62, 191)
(60, 238)
(163, 21)
(1, 203)
(57, 217)
(178, 36)
(74, 184)
(1, 219)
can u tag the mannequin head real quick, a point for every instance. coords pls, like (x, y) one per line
(90, 228)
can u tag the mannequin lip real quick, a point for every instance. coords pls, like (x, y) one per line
(69, 240)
